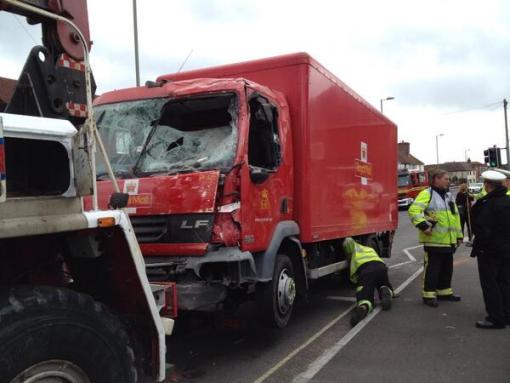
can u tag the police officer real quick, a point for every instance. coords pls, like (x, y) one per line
(436, 216)
(506, 183)
(369, 272)
(491, 246)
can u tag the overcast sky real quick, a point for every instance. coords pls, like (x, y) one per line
(446, 62)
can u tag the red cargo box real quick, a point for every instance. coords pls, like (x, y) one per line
(345, 151)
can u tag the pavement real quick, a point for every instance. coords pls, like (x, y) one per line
(417, 343)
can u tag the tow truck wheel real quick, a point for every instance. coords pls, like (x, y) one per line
(276, 298)
(57, 335)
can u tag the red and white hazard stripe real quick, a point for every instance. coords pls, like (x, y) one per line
(67, 61)
(76, 110)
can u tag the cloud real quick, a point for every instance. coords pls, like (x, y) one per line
(452, 91)
(220, 11)
(434, 57)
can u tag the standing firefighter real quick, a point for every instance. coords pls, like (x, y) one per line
(369, 272)
(436, 216)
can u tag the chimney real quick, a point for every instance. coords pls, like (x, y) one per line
(403, 148)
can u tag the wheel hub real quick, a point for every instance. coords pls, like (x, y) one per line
(60, 371)
(286, 291)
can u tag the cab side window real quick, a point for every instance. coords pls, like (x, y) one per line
(263, 140)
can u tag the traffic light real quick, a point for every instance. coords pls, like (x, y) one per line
(492, 157)
(486, 158)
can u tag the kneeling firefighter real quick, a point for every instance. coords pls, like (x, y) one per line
(369, 272)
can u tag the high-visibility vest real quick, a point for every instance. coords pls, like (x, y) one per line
(362, 254)
(430, 206)
(481, 194)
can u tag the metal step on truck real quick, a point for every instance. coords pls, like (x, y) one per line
(75, 301)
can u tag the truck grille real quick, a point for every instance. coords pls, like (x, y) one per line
(149, 228)
(174, 228)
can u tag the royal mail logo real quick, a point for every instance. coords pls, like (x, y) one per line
(264, 199)
(363, 169)
(140, 200)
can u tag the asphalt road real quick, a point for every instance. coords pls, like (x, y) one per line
(412, 342)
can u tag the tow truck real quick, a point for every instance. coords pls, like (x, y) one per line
(75, 302)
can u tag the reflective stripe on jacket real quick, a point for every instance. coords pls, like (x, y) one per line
(362, 255)
(430, 207)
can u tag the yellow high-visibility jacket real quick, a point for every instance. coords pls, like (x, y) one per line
(430, 207)
(362, 254)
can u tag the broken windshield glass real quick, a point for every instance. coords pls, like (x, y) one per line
(192, 134)
(124, 128)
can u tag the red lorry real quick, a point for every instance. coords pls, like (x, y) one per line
(245, 178)
(410, 184)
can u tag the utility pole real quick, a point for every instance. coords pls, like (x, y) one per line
(437, 146)
(505, 103)
(135, 27)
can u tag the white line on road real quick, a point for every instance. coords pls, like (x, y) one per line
(408, 253)
(307, 375)
(304, 345)
(345, 299)
(320, 362)
(400, 264)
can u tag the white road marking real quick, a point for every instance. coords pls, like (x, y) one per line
(400, 264)
(408, 253)
(304, 345)
(337, 298)
(319, 363)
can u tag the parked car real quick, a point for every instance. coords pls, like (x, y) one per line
(475, 188)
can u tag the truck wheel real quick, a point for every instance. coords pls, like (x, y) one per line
(374, 243)
(55, 334)
(276, 298)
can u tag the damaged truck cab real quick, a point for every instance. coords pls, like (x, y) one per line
(244, 179)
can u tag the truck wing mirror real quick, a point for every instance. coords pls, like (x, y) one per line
(258, 175)
(3, 186)
(118, 200)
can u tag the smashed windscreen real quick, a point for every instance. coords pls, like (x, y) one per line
(192, 134)
(124, 128)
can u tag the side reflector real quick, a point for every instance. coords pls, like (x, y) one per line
(106, 222)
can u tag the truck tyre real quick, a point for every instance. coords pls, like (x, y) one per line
(275, 299)
(58, 335)
(374, 243)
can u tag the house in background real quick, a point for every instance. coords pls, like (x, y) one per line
(461, 172)
(406, 160)
(7, 87)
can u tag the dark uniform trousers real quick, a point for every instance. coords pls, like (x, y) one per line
(371, 276)
(494, 270)
(438, 272)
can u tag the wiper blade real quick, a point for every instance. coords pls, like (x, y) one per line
(117, 174)
(175, 144)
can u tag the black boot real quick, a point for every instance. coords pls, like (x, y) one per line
(386, 296)
(486, 324)
(451, 298)
(358, 314)
(432, 302)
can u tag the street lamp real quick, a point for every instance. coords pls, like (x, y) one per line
(135, 29)
(385, 99)
(437, 146)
